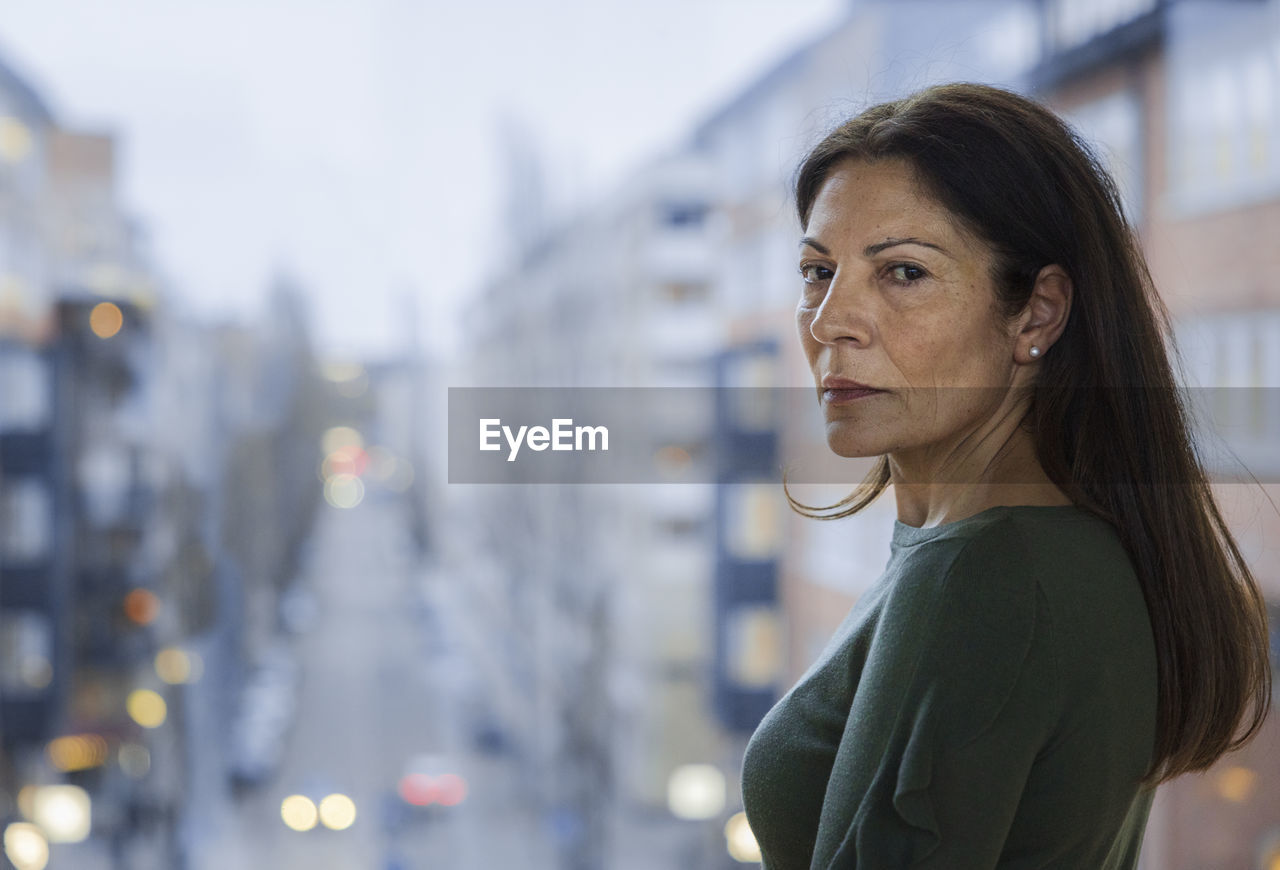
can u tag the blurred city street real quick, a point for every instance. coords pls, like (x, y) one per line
(382, 683)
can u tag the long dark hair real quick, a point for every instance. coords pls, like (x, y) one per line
(1109, 425)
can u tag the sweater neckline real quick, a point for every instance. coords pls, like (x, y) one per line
(905, 535)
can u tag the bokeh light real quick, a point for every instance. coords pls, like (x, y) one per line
(350, 380)
(36, 671)
(344, 491)
(345, 460)
(134, 760)
(336, 438)
(341, 371)
(62, 812)
(298, 812)
(417, 789)
(141, 606)
(337, 812)
(25, 846)
(1237, 784)
(15, 140)
(27, 802)
(77, 752)
(146, 708)
(696, 791)
(177, 666)
(740, 841)
(672, 461)
(451, 789)
(106, 319)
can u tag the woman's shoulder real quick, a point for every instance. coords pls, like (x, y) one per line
(1058, 546)
(1015, 577)
(1077, 560)
(995, 576)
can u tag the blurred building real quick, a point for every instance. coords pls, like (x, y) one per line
(157, 484)
(93, 245)
(606, 653)
(33, 574)
(1182, 99)
(26, 125)
(78, 614)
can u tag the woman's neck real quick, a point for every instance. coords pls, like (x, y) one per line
(1011, 476)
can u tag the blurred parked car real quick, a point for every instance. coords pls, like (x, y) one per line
(267, 710)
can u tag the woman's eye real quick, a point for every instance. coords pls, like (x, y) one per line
(814, 274)
(905, 273)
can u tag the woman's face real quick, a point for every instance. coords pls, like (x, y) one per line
(897, 296)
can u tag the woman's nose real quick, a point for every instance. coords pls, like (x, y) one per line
(842, 314)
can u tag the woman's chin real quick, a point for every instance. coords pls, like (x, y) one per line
(851, 448)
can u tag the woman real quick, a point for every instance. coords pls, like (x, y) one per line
(1065, 620)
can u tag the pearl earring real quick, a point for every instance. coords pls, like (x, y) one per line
(1035, 351)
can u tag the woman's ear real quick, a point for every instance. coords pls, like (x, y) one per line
(1046, 313)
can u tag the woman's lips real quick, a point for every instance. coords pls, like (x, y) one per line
(840, 397)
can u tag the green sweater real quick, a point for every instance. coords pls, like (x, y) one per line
(989, 702)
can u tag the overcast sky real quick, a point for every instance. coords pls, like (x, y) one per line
(353, 141)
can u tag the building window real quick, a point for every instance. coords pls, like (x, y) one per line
(24, 384)
(26, 520)
(26, 653)
(1224, 136)
(753, 398)
(753, 646)
(684, 214)
(752, 521)
(1233, 372)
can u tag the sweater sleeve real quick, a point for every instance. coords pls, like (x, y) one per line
(957, 697)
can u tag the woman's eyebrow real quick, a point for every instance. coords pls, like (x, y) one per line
(872, 250)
